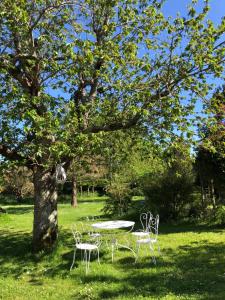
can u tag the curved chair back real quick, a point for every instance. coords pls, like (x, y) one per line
(154, 225)
(85, 236)
(77, 236)
(145, 219)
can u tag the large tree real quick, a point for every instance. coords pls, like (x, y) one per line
(70, 70)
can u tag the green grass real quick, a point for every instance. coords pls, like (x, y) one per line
(191, 265)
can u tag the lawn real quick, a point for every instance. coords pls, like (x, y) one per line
(191, 264)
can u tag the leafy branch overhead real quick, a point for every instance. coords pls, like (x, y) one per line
(70, 70)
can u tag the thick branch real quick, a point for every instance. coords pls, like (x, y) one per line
(10, 154)
(114, 126)
(134, 120)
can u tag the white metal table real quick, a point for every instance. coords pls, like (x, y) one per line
(116, 224)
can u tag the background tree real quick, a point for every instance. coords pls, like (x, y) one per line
(210, 159)
(170, 191)
(17, 182)
(113, 65)
(86, 176)
(126, 157)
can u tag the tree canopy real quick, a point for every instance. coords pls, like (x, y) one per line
(72, 70)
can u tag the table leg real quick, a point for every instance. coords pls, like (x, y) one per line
(114, 243)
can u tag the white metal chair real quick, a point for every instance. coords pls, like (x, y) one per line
(154, 230)
(91, 231)
(145, 219)
(92, 244)
(149, 237)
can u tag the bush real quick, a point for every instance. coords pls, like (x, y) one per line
(169, 197)
(120, 195)
(170, 193)
(220, 215)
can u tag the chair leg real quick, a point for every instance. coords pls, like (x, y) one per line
(88, 261)
(152, 250)
(159, 250)
(98, 256)
(74, 257)
(112, 251)
(114, 246)
(145, 250)
(137, 252)
(107, 244)
(84, 256)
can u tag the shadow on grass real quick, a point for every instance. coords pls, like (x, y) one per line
(192, 270)
(15, 252)
(19, 210)
(65, 199)
(92, 200)
(182, 228)
(197, 270)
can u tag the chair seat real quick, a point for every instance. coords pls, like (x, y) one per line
(95, 235)
(86, 246)
(140, 233)
(146, 241)
(153, 240)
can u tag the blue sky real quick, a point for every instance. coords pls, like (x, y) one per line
(171, 7)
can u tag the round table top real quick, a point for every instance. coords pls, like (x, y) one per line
(116, 224)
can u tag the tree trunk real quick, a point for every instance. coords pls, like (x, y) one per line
(203, 196)
(213, 194)
(74, 191)
(45, 226)
(19, 196)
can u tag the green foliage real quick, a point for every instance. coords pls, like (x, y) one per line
(128, 159)
(219, 216)
(120, 196)
(210, 170)
(17, 181)
(210, 158)
(70, 72)
(170, 192)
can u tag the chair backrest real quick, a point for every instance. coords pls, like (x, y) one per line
(76, 235)
(154, 225)
(85, 237)
(78, 226)
(145, 219)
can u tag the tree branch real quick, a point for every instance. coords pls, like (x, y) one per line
(49, 8)
(10, 154)
(114, 126)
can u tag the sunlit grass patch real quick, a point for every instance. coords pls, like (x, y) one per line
(191, 264)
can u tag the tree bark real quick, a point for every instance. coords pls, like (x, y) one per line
(74, 191)
(45, 226)
(213, 196)
(203, 195)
